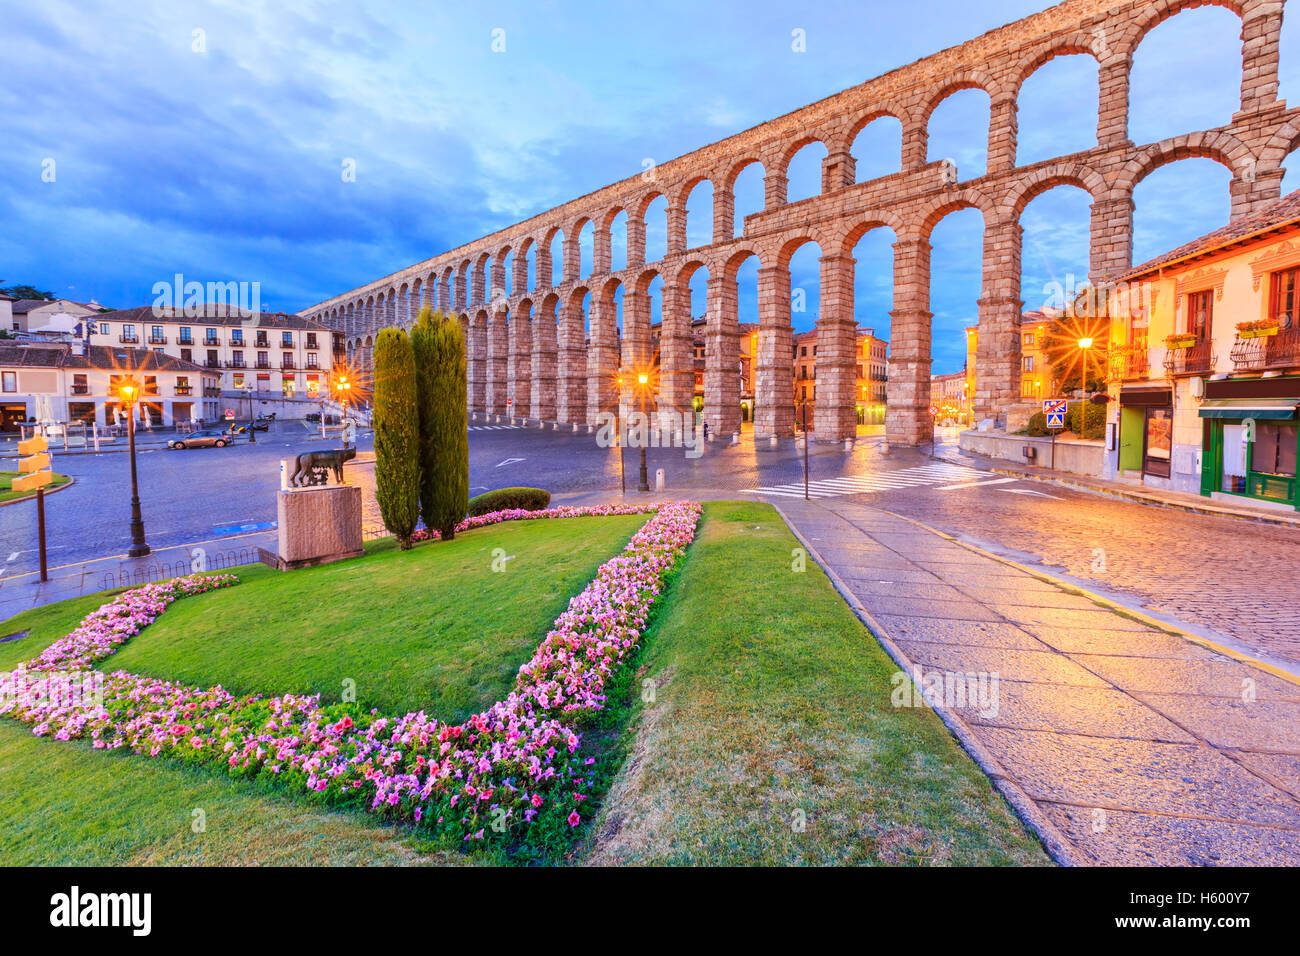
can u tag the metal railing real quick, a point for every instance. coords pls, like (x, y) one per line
(200, 561)
(1129, 362)
(1280, 351)
(1197, 359)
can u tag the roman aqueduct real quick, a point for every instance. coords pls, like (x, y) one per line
(536, 349)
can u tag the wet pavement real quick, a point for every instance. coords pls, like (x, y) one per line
(1118, 742)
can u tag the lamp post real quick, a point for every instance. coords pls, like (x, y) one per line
(252, 432)
(128, 392)
(643, 483)
(344, 388)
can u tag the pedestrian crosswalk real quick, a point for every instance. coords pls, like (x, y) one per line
(936, 473)
(494, 428)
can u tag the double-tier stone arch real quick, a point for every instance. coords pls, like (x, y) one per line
(1254, 145)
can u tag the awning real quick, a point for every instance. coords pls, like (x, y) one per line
(1265, 409)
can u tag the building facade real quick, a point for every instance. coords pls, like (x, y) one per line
(1205, 364)
(66, 383)
(871, 357)
(267, 354)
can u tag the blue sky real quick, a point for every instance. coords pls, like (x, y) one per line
(223, 163)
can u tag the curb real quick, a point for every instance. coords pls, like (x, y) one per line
(1284, 521)
(1058, 847)
(1109, 603)
(49, 491)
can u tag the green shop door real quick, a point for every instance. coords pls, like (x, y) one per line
(1132, 422)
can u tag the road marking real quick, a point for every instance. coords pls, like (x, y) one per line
(13, 556)
(494, 428)
(977, 484)
(245, 528)
(931, 474)
(509, 461)
(1026, 491)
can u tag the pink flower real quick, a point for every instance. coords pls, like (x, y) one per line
(574, 819)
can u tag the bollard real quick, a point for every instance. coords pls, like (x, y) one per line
(772, 442)
(735, 438)
(884, 447)
(848, 444)
(659, 480)
(575, 428)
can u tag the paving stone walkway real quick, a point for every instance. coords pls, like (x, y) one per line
(1126, 744)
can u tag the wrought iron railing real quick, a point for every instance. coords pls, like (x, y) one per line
(1267, 352)
(1196, 359)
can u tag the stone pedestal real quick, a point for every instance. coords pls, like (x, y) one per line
(318, 525)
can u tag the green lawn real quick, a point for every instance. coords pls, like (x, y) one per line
(63, 805)
(771, 703)
(6, 485)
(433, 629)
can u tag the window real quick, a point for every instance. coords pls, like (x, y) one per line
(1026, 389)
(859, 371)
(803, 352)
(1285, 304)
(79, 384)
(210, 336)
(1274, 449)
(104, 327)
(263, 359)
(1029, 338)
(151, 384)
(185, 335)
(1200, 310)
(311, 340)
(1027, 363)
(10, 381)
(128, 333)
(237, 337)
(187, 355)
(156, 332)
(286, 340)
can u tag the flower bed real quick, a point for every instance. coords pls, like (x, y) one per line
(497, 772)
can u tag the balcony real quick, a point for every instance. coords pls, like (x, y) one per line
(1267, 352)
(212, 342)
(311, 342)
(1195, 359)
(262, 342)
(128, 339)
(238, 342)
(157, 340)
(287, 363)
(312, 363)
(184, 390)
(235, 363)
(1129, 362)
(212, 392)
(185, 342)
(264, 363)
(211, 363)
(81, 390)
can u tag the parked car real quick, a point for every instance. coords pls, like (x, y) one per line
(201, 439)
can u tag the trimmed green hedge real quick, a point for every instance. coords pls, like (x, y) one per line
(530, 499)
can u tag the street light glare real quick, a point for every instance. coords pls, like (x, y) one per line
(1085, 343)
(643, 378)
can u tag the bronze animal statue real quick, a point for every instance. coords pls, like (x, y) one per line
(313, 466)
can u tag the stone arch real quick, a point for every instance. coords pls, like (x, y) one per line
(1152, 15)
(1076, 44)
(843, 141)
(1046, 178)
(850, 233)
(938, 210)
(1223, 148)
(966, 79)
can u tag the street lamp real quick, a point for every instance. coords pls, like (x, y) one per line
(252, 432)
(129, 393)
(643, 483)
(344, 388)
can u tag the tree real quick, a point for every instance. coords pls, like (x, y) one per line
(1068, 359)
(26, 292)
(397, 434)
(439, 345)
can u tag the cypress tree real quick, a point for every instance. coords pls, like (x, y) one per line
(439, 345)
(397, 434)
